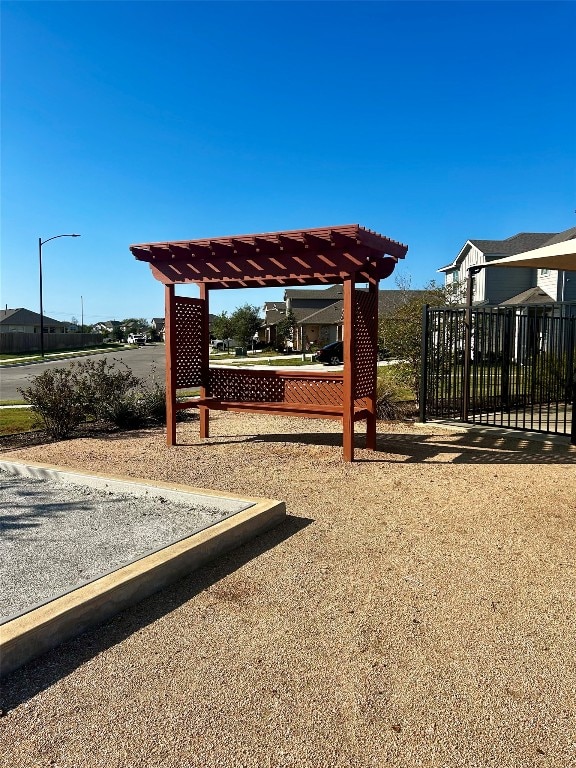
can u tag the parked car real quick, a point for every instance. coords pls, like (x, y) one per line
(223, 345)
(137, 338)
(333, 354)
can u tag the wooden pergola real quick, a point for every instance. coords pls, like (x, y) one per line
(348, 254)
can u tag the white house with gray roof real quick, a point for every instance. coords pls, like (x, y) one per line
(522, 285)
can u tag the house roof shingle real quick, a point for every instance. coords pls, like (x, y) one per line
(388, 302)
(334, 291)
(274, 316)
(523, 241)
(531, 296)
(510, 246)
(330, 315)
(562, 237)
(22, 316)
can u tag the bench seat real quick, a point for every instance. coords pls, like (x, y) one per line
(281, 408)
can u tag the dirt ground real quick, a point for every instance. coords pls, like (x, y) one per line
(415, 609)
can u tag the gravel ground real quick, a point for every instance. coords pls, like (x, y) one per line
(416, 609)
(56, 536)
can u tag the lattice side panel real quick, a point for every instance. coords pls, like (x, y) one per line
(245, 386)
(189, 331)
(314, 392)
(366, 341)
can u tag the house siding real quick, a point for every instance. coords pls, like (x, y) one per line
(561, 286)
(548, 280)
(472, 258)
(569, 287)
(502, 284)
(495, 286)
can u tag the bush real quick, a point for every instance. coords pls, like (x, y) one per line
(391, 393)
(54, 397)
(95, 390)
(153, 404)
(107, 393)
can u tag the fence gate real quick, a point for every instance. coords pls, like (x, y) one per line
(508, 366)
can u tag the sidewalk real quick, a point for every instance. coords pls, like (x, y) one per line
(265, 363)
(51, 356)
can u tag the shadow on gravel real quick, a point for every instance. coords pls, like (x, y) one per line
(37, 675)
(413, 448)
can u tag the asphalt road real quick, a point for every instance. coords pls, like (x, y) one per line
(142, 360)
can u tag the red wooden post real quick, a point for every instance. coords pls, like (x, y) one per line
(170, 335)
(204, 412)
(371, 418)
(349, 365)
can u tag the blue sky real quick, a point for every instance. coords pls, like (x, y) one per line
(127, 122)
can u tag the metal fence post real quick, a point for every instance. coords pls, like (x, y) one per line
(424, 363)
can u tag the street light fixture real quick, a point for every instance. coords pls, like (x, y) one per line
(40, 244)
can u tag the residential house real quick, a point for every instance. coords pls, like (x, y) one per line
(537, 293)
(23, 320)
(319, 314)
(158, 326)
(521, 285)
(106, 328)
(274, 312)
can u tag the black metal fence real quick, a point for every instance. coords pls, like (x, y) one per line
(511, 366)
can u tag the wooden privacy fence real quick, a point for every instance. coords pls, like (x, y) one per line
(12, 343)
(346, 254)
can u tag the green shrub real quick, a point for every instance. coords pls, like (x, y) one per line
(107, 392)
(95, 390)
(392, 393)
(153, 403)
(54, 398)
(127, 413)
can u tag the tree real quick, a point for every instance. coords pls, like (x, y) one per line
(401, 331)
(135, 325)
(245, 322)
(222, 326)
(117, 333)
(285, 328)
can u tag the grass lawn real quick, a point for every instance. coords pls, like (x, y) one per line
(15, 420)
(275, 362)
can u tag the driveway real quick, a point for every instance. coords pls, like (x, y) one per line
(142, 360)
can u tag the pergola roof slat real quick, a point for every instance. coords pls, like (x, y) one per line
(298, 257)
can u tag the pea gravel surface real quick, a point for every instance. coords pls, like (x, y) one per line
(416, 608)
(56, 536)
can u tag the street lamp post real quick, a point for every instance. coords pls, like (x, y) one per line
(40, 244)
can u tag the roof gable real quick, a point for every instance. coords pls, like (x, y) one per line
(510, 246)
(22, 316)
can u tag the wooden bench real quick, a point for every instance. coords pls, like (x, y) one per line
(311, 394)
(281, 408)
